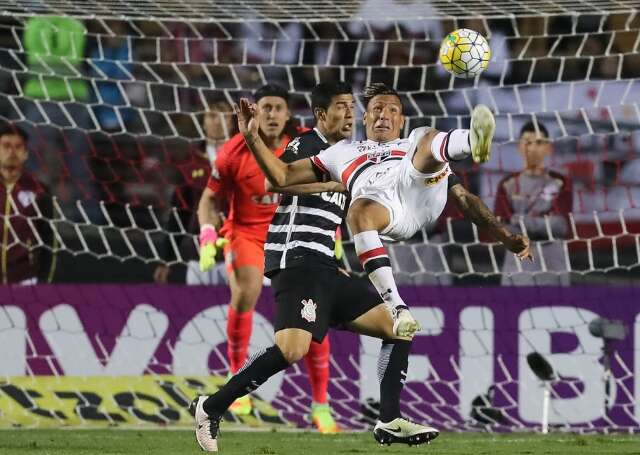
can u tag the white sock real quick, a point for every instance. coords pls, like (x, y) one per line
(451, 146)
(375, 261)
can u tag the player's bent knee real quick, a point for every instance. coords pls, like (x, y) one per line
(244, 300)
(293, 343)
(246, 287)
(366, 215)
(293, 354)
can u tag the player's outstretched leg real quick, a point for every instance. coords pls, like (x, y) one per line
(392, 372)
(455, 145)
(375, 261)
(208, 411)
(483, 125)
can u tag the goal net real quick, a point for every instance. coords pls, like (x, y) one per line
(121, 98)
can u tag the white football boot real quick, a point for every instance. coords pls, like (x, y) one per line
(404, 325)
(207, 427)
(483, 125)
(403, 431)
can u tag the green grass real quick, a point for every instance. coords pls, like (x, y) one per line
(159, 442)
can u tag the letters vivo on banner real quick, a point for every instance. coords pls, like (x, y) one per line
(474, 339)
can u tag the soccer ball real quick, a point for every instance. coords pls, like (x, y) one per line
(465, 53)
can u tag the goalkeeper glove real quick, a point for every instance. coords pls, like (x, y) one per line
(210, 244)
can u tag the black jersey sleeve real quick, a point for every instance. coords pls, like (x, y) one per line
(291, 151)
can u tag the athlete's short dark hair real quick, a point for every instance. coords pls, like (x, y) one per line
(271, 90)
(10, 128)
(322, 93)
(530, 127)
(375, 89)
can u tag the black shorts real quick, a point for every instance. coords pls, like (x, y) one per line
(316, 298)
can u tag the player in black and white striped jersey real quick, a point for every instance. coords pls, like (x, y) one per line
(303, 229)
(311, 293)
(304, 226)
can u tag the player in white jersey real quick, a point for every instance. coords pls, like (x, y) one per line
(382, 172)
(397, 185)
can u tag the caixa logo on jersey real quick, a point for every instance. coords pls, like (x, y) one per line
(266, 199)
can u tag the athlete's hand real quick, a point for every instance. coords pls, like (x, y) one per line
(161, 274)
(210, 244)
(247, 117)
(519, 244)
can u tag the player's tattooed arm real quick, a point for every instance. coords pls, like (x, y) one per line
(307, 188)
(279, 173)
(477, 212)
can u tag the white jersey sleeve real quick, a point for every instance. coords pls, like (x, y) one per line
(328, 161)
(414, 139)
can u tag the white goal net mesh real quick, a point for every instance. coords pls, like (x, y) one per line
(113, 96)
(114, 110)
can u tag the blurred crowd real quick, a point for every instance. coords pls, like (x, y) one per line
(125, 116)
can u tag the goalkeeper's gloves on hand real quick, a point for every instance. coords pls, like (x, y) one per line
(210, 244)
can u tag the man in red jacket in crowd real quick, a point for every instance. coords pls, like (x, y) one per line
(27, 256)
(537, 200)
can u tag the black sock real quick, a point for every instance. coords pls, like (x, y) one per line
(255, 372)
(392, 372)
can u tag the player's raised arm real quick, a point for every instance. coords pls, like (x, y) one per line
(306, 188)
(476, 211)
(278, 173)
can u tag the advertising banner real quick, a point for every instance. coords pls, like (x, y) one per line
(137, 354)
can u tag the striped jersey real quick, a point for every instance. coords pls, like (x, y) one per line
(303, 229)
(362, 164)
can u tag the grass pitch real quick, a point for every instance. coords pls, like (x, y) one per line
(159, 442)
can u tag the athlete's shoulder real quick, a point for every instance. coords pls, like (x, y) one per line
(311, 143)
(563, 179)
(234, 145)
(509, 179)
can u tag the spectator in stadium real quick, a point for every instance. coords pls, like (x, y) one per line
(538, 201)
(28, 257)
(218, 125)
(237, 175)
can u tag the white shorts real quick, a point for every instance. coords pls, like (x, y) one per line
(414, 200)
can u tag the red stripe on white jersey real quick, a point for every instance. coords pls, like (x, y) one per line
(360, 161)
(316, 161)
(349, 170)
(371, 254)
(443, 147)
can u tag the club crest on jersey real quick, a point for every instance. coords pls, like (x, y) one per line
(377, 157)
(308, 311)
